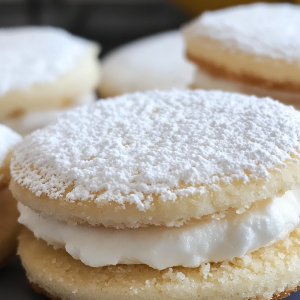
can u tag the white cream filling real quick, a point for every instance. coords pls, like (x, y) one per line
(38, 119)
(204, 80)
(210, 240)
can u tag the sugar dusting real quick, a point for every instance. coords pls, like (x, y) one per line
(30, 55)
(260, 28)
(8, 139)
(170, 144)
(153, 62)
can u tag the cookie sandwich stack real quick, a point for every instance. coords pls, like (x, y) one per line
(252, 49)
(163, 195)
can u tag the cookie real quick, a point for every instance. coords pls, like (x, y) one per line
(34, 120)
(8, 207)
(44, 69)
(249, 48)
(165, 194)
(157, 61)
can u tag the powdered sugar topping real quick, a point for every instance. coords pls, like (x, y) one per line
(170, 144)
(30, 55)
(8, 139)
(260, 29)
(157, 61)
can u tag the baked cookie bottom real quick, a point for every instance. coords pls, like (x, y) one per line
(204, 80)
(9, 227)
(285, 92)
(272, 272)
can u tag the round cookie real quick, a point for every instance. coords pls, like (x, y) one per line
(218, 172)
(249, 48)
(44, 69)
(8, 211)
(148, 63)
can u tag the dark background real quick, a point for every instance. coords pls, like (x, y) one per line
(110, 22)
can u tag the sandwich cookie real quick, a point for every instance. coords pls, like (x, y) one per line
(8, 207)
(163, 195)
(44, 70)
(251, 49)
(153, 62)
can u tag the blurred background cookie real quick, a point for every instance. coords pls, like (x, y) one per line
(9, 226)
(251, 49)
(44, 69)
(153, 62)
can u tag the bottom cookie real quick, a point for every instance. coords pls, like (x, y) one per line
(9, 227)
(269, 273)
(42, 291)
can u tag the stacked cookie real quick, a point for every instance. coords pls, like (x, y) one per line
(253, 49)
(44, 71)
(9, 227)
(156, 195)
(155, 62)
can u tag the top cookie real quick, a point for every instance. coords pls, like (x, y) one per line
(159, 158)
(261, 29)
(157, 61)
(8, 139)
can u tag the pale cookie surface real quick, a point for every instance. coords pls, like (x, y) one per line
(31, 55)
(157, 61)
(268, 273)
(8, 139)
(178, 152)
(262, 29)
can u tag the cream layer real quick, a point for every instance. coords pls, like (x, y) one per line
(205, 81)
(211, 239)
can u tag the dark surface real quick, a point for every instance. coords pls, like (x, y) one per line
(13, 285)
(110, 22)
